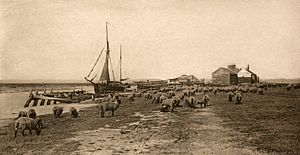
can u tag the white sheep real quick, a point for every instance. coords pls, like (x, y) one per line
(130, 97)
(27, 123)
(147, 96)
(109, 106)
(238, 97)
(167, 105)
(176, 101)
(206, 99)
(22, 114)
(260, 91)
(162, 98)
(191, 102)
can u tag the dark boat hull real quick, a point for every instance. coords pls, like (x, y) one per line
(111, 87)
(151, 86)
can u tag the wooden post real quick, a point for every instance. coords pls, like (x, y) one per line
(42, 102)
(35, 102)
(48, 102)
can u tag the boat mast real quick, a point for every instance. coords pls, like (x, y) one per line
(120, 63)
(107, 43)
(105, 71)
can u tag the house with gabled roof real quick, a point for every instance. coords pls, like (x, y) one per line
(225, 76)
(245, 76)
(233, 76)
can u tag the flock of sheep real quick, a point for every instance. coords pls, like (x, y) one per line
(29, 120)
(167, 99)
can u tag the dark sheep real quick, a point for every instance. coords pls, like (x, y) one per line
(73, 112)
(109, 106)
(32, 113)
(57, 111)
(230, 96)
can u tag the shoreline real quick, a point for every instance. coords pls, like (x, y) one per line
(6, 122)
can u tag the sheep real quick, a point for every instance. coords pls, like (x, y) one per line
(176, 101)
(32, 113)
(171, 94)
(57, 111)
(186, 92)
(191, 101)
(39, 122)
(162, 98)
(139, 94)
(289, 87)
(130, 97)
(167, 105)
(215, 91)
(109, 106)
(147, 96)
(238, 97)
(22, 114)
(260, 91)
(206, 99)
(201, 103)
(155, 97)
(73, 112)
(180, 96)
(27, 123)
(230, 96)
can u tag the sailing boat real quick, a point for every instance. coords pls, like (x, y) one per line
(105, 84)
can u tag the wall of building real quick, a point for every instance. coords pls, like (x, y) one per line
(245, 80)
(233, 79)
(221, 76)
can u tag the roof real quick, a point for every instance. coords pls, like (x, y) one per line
(226, 69)
(185, 77)
(250, 71)
(235, 70)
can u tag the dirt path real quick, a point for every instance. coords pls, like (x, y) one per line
(187, 131)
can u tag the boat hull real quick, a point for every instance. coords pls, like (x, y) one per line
(111, 87)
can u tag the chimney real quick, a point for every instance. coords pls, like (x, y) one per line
(248, 67)
(232, 67)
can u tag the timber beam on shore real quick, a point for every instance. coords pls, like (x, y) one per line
(57, 97)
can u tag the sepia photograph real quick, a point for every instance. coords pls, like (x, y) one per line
(153, 77)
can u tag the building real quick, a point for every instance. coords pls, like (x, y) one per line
(245, 76)
(233, 76)
(184, 79)
(226, 76)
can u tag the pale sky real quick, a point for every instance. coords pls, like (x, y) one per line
(61, 39)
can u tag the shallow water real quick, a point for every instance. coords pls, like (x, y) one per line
(12, 103)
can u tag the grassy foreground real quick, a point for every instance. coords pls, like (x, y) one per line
(268, 122)
(63, 127)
